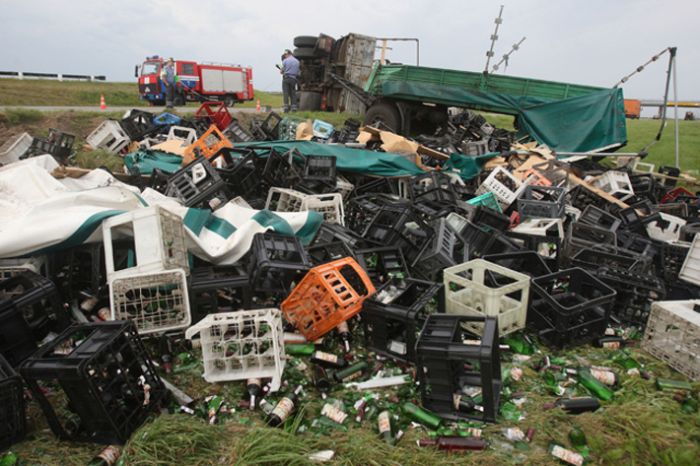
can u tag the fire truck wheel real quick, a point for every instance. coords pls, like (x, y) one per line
(386, 113)
(305, 52)
(305, 41)
(179, 100)
(229, 100)
(309, 101)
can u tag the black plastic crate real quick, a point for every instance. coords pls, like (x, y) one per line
(527, 262)
(105, 373)
(30, 308)
(234, 132)
(570, 307)
(482, 240)
(376, 186)
(550, 245)
(222, 288)
(240, 172)
(275, 261)
(635, 293)
(399, 225)
(484, 216)
(268, 129)
(383, 263)
(432, 186)
(393, 317)
(596, 217)
(581, 236)
(670, 259)
(198, 184)
(581, 198)
(542, 202)
(57, 143)
(322, 253)
(592, 259)
(447, 366)
(442, 251)
(333, 232)
(280, 170)
(12, 407)
(673, 172)
(138, 124)
(360, 210)
(319, 168)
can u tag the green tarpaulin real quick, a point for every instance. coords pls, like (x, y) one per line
(349, 159)
(468, 166)
(590, 122)
(146, 160)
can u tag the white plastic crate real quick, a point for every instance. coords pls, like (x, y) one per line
(673, 335)
(643, 167)
(482, 288)
(180, 133)
(13, 149)
(690, 272)
(328, 205)
(158, 238)
(667, 229)
(11, 267)
(540, 226)
(242, 345)
(108, 136)
(343, 186)
(155, 302)
(503, 185)
(284, 200)
(615, 183)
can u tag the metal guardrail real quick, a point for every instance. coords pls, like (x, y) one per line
(57, 76)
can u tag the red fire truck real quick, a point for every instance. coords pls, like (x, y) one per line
(196, 81)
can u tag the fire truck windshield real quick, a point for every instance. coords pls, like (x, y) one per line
(150, 67)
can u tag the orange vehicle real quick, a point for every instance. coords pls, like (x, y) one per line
(633, 108)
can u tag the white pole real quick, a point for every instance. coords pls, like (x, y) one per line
(675, 111)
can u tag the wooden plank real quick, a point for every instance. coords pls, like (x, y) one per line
(599, 192)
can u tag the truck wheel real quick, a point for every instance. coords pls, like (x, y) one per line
(385, 113)
(305, 52)
(229, 100)
(309, 101)
(179, 100)
(305, 41)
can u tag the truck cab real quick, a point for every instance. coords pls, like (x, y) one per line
(151, 87)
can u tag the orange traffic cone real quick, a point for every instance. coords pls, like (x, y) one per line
(257, 106)
(103, 105)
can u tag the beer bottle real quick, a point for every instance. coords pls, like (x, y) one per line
(328, 360)
(108, 457)
(300, 349)
(284, 408)
(421, 415)
(321, 380)
(575, 405)
(254, 387)
(454, 443)
(384, 424)
(350, 372)
(565, 455)
(668, 384)
(594, 386)
(344, 334)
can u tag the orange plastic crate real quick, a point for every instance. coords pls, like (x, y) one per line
(208, 145)
(327, 295)
(536, 178)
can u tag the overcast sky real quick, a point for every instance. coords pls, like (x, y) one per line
(592, 42)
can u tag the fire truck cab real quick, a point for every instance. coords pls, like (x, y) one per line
(195, 82)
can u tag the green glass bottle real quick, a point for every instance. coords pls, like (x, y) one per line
(577, 438)
(350, 372)
(519, 345)
(108, 457)
(421, 415)
(300, 349)
(668, 384)
(384, 425)
(9, 459)
(593, 385)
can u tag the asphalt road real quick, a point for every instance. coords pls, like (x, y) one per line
(188, 109)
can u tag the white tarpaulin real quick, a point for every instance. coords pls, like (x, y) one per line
(39, 213)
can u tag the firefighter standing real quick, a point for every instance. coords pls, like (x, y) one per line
(167, 75)
(290, 73)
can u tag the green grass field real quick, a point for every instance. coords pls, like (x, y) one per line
(42, 92)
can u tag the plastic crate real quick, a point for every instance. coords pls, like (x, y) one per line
(636, 291)
(399, 225)
(442, 251)
(328, 295)
(236, 133)
(453, 362)
(482, 288)
(615, 183)
(13, 149)
(690, 271)
(503, 185)
(676, 193)
(319, 168)
(670, 259)
(137, 124)
(343, 186)
(108, 136)
(592, 259)
(486, 200)
(242, 345)
(166, 119)
(381, 264)
(188, 136)
(156, 302)
(12, 407)
(542, 202)
(11, 267)
(672, 172)
(30, 308)
(216, 113)
(102, 369)
(57, 143)
(527, 262)
(331, 232)
(570, 307)
(322, 253)
(667, 228)
(393, 317)
(275, 261)
(279, 169)
(329, 205)
(592, 215)
(672, 335)
(433, 186)
(535, 178)
(208, 145)
(198, 184)
(223, 288)
(581, 236)
(158, 240)
(361, 210)
(270, 128)
(239, 173)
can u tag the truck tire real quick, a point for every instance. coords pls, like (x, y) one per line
(229, 100)
(179, 100)
(305, 41)
(305, 52)
(309, 101)
(385, 112)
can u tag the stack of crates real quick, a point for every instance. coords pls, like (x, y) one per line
(152, 293)
(242, 345)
